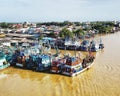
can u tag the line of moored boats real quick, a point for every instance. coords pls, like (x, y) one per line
(74, 44)
(38, 58)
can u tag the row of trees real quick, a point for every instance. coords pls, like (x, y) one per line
(103, 27)
(4, 25)
(67, 33)
(55, 23)
(14, 25)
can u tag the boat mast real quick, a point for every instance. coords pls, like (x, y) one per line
(75, 49)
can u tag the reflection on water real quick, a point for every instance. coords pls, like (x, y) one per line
(101, 80)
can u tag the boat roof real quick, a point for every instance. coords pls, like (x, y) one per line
(48, 38)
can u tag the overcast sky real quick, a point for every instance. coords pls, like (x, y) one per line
(59, 10)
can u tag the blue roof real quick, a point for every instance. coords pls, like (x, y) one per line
(85, 42)
(48, 38)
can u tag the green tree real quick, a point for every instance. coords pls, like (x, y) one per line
(108, 29)
(66, 33)
(41, 37)
(52, 34)
(103, 27)
(4, 25)
(79, 32)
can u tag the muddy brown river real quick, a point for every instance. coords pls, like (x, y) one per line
(103, 79)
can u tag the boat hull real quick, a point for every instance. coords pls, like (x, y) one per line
(4, 66)
(76, 73)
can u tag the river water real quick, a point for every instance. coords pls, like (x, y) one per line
(103, 79)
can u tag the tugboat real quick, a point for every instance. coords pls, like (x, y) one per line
(3, 62)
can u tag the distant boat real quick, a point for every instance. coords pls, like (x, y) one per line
(94, 47)
(84, 45)
(101, 45)
(49, 40)
(70, 44)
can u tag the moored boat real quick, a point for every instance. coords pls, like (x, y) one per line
(3, 62)
(71, 66)
(72, 44)
(57, 65)
(94, 47)
(38, 62)
(69, 44)
(84, 45)
(34, 58)
(101, 45)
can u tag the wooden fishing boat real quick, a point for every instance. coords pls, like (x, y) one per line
(72, 66)
(3, 62)
(70, 44)
(33, 58)
(94, 47)
(77, 69)
(84, 45)
(57, 65)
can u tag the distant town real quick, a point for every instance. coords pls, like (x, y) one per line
(35, 31)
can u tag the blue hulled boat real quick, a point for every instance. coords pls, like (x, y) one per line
(3, 62)
(38, 62)
(94, 47)
(84, 45)
(33, 58)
